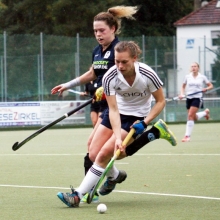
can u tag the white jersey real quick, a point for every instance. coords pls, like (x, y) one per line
(136, 99)
(195, 84)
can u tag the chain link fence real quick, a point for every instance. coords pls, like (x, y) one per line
(30, 66)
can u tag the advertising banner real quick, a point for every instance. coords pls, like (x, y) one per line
(50, 111)
(19, 113)
(39, 113)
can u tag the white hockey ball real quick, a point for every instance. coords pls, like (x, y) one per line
(101, 208)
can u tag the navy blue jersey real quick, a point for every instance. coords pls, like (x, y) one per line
(103, 60)
(90, 88)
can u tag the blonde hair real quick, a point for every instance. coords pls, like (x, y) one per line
(130, 46)
(114, 15)
(196, 65)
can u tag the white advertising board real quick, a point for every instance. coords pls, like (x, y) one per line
(39, 113)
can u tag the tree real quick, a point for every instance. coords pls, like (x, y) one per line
(73, 17)
(27, 17)
(156, 17)
(59, 17)
(68, 17)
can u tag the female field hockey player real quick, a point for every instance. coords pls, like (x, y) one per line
(194, 82)
(128, 87)
(106, 26)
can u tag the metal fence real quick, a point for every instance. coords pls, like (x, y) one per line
(31, 65)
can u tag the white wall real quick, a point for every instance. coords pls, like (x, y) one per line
(191, 43)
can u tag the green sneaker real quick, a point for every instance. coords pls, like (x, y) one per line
(95, 198)
(165, 132)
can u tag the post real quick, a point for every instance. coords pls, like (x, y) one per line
(174, 64)
(77, 60)
(204, 56)
(77, 56)
(42, 66)
(5, 67)
(2, 79)
(39, 77)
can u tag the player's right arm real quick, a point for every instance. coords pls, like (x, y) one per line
(83, 79)
(115, 120)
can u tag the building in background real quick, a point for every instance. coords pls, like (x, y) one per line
(198, 35)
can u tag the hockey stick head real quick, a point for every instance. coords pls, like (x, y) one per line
(15, 146)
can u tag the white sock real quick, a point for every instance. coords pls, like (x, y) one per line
(189, 127)
(113, 173)
(200, 114)
(91, 178)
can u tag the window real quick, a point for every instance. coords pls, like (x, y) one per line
(215, 38)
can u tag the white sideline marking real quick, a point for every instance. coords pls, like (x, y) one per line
(171, 195)
(120, 191)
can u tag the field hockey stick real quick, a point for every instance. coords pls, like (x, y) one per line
(17, 145)
(77, 92)
(212, 90)
(109, 166)
(177, 97)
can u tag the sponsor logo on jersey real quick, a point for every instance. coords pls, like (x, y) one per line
(130, 94)
(194, 84)
(107, 54)
(102, 64)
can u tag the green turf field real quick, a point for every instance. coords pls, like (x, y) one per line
(164, 182)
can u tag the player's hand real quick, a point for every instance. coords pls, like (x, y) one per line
(181, 96)
(59, 88)
(139, 127)
(99, 94)
(118, 145)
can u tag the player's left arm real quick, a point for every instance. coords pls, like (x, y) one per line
(158, 107)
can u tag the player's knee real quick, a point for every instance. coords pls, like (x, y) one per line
(104, 155)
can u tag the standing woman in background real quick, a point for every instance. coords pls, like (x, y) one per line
(194, 82)
(106, 26)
